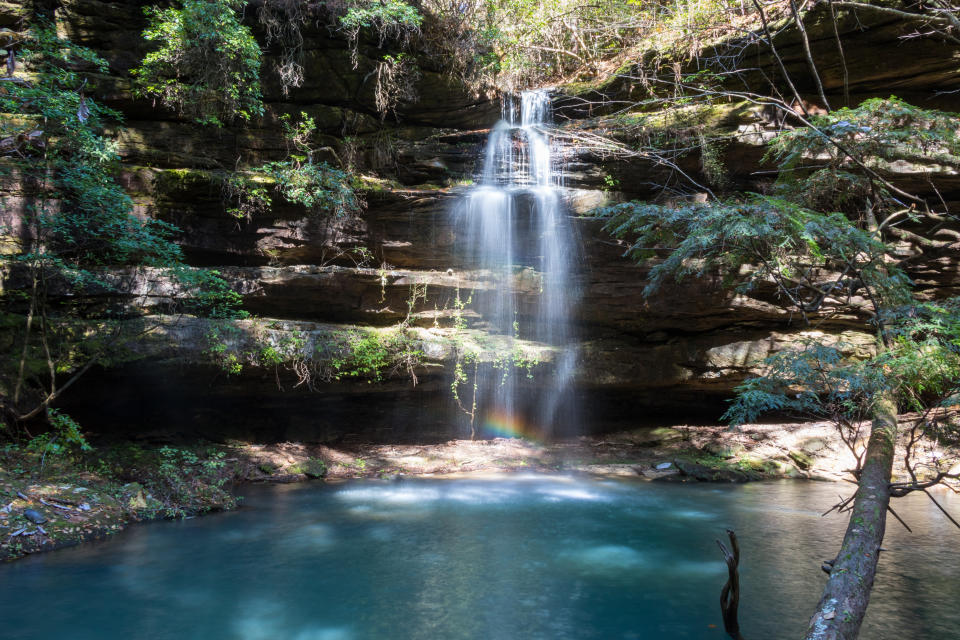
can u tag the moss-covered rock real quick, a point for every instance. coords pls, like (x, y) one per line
(704, 469)
(314, 468)
(801, 459)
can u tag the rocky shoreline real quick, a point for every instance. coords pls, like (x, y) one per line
(74, 504)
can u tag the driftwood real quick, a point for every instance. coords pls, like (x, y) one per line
(55, 506)
(730, 595)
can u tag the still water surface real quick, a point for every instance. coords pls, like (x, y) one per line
(528, 557)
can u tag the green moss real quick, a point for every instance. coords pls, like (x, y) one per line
(758, 465)
(706, 115)
(179, 180)
(751, 467)
(315, 468)
(105, 490)
(801, 459)
(312, 468)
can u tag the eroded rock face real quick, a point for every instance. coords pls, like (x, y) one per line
(684, 348)
(171, 386)
(882, 56)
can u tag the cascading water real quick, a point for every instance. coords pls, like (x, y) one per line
(513, 227)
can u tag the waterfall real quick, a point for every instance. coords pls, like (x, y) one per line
(513, 228)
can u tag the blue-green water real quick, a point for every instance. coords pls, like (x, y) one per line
(508, 558)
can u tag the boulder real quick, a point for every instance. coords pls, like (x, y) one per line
(706, 473)
(34, 516)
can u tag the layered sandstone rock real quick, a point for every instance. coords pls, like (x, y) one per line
(683, 348)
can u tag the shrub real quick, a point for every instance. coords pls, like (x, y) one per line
(207, 65)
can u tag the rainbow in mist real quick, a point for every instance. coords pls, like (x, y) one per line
(506, 425)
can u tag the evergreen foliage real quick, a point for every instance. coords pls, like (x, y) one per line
(821, 247)
(811, 256)
(921, 368)
(315, 185)
(819, 164)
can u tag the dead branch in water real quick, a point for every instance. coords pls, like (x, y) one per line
(730, 594)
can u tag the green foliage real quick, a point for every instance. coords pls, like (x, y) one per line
(497, 361)
(711, 161)
(82, 217)
(79, 226)
(389, 19)
(813, 380)
(466, 360)
(382, 16)
(245, 196)
(459, 305)
(312, 468)
(879, 128)
(207, 65)
(289, 349)
(822, 175)
(355, 354)
(209, 294)
(395, 76)
(221, 338)
(56, 144)
(758, 239)
(519, 43)
(514, 44)
(823, 259)
(924, 358)
(65, 437)
(371, 354)
(317, 186)
(921, 369)
(186, 482)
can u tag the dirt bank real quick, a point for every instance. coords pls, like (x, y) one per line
(73, 501)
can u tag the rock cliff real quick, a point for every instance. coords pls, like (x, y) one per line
(682, 350)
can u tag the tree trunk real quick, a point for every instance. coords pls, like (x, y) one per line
(847, 592)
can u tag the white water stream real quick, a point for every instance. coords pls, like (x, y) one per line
(514, 227)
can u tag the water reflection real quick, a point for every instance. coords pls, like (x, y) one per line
(525, 557)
